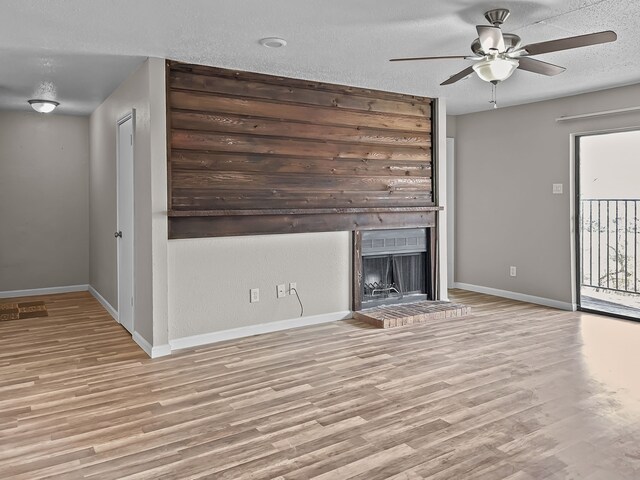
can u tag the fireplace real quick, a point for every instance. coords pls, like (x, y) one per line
(395, 266)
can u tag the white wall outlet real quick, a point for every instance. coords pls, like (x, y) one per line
(255, 295)
(280, 290)
(557, 189)
(512, 271)
(293, 286)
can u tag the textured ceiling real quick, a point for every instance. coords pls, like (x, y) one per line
(82, 49)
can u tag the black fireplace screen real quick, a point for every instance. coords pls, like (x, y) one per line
(395, 275)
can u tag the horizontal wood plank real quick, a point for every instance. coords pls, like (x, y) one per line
(294, 94)
(228, 123)
(182, 160)
(202, 102)
(190, 140)
(297, 211)
(212, 199)
(297, 183)
(294, 82)
(197, 227)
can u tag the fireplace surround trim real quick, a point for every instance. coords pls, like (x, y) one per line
(431, 274)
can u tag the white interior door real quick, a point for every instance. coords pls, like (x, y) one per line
(124, 234)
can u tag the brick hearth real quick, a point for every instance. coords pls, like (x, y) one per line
(410, 313)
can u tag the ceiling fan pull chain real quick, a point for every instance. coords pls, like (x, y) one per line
(494, 99)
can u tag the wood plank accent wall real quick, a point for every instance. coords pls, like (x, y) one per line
(254, 154)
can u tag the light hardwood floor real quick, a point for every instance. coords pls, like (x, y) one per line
(514, 391)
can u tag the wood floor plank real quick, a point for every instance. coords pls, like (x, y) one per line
(514, 391)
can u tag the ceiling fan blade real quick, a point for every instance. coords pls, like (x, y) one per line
(570, 42)
(458, 76)
(426, 58)
(490, 38)
(537, 66)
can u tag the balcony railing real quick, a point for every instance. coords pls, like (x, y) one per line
(610, 244)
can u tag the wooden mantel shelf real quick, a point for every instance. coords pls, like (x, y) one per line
(298, 211)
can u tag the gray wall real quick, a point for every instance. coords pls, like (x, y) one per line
(452, 126)
(506, 163)
(144, 92)
(44, 200)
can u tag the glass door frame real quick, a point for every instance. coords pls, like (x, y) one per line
(577, 214)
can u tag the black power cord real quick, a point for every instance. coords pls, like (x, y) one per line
(299, 301)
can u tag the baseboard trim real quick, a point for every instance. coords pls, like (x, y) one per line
(221, 336)
(107, 306)
(161, 351)
(43, 291)
(547, 302)
(153, 352)
(142, 343)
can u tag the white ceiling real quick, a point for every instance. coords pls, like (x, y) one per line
(82, 49)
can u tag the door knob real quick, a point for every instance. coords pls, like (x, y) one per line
(118, 234)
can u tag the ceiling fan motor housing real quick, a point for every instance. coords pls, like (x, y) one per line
(511, 42)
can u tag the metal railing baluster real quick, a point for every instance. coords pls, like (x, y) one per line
(614, 263)
(626, 245)
(590, 242)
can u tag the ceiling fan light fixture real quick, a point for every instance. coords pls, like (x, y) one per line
(495, 69)
(43, 106)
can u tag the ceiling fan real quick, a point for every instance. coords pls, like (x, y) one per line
(498, 55)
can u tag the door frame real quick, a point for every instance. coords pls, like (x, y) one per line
(576, 244)
(577, 250)
(130, 115)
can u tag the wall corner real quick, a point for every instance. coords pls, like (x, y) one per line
(440, 144)
(159, 221)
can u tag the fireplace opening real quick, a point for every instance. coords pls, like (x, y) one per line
(394, 276)
(394, 266)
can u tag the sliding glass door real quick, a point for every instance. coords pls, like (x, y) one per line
(607, 224)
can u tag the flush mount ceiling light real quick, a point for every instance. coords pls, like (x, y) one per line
(43, 106)
(273, 42)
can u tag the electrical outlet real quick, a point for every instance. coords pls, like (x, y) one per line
(292, 286)
(557, 189)
(281, 290)
(512, 271)
(255, 295)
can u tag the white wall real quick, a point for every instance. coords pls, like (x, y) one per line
(506, 162)
(210, 279)
(144, 92)
(44, 193)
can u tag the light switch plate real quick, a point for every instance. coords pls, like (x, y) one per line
(281, 290)
(557, 189)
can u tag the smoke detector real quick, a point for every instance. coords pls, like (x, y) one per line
(273, 42)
